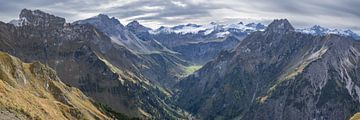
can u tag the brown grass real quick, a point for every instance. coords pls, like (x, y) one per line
(34, 90)
(356, 116)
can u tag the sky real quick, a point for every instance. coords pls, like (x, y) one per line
(342, 14)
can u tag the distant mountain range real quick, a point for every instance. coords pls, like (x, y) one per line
(87, 58)
(318, 30)
(218, 30)
(201, 43)
(214, 29)
(222, 30)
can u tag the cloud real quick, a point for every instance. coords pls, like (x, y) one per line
(329, 13)
(178, 3)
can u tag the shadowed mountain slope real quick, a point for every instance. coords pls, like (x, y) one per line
(86, 58)
(278, 74)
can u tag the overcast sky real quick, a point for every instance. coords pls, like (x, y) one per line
(343, 14)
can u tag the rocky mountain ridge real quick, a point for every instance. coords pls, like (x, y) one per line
(208, 40)
(163, 66)
(277, 74)
(222, 30)
(318, 30)
(33, 91)
(86, 58)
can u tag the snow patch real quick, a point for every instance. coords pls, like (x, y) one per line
(19, 22)
(207, 32)
(318, 30)
(206, 29)
(222, 34)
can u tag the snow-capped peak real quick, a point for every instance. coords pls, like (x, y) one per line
(219, 29)
(181, 29)
(318, 30)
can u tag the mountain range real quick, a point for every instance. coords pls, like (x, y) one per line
(86, 58)
(98, 68)
(277, 74)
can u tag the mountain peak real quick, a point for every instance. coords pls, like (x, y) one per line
(134, 22)
(135, 25)
(192, 25)
(103, 16)
(40, 18)
(317, 27)
(213, 23)
(258, 26)
(106, 18)
(101, 20)
(280, 26)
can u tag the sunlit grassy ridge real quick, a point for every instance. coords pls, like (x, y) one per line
(35, 91)
(356, 117)
(192, 69)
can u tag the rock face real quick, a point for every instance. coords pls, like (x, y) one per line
(33, 91)
(201, 52)
(86, 58)
(122, 35)
(278, 74)
(139, 30)
(161, 65)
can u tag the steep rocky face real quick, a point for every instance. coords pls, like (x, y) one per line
(280, 26)
(160, 65)
(139, 30)
(39, 18)
(121, 35)
(86, 58)
(201, 52)
(278, 74)
(33, 91)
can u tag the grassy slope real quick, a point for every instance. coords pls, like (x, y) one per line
(192, 69)
(34, 90)
(356, 117)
